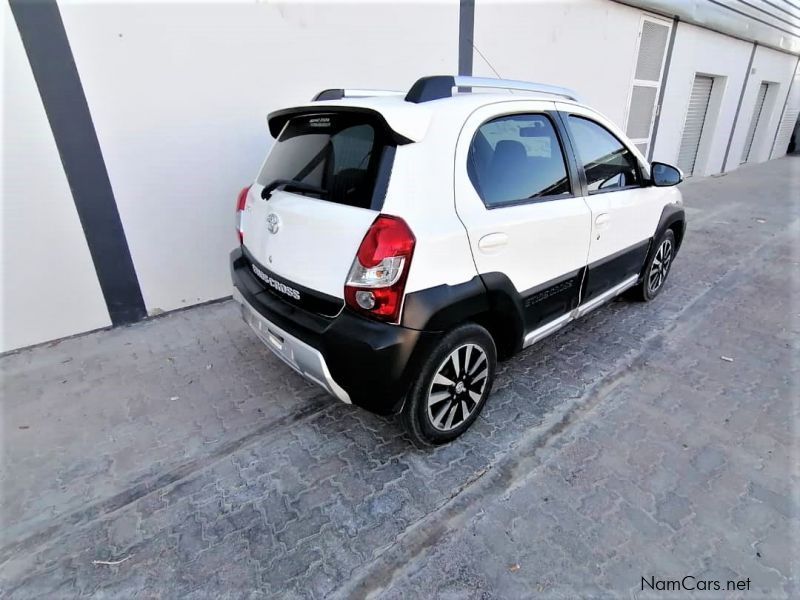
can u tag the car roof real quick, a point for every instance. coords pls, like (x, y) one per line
(410, 119)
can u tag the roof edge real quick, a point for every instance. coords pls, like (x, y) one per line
(738, 22)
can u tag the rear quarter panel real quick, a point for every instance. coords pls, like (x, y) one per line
(421, 192)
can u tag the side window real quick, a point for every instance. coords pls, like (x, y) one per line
(608, 164)
(516, 158)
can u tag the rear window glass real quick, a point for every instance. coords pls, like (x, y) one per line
(337, 153)
(517, 158)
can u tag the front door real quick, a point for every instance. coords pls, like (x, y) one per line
(625, 209)
(526, 221)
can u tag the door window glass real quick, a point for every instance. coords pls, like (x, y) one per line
(608, 163)
(517, 158)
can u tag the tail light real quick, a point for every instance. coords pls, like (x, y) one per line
(240, 204)
(378, 276)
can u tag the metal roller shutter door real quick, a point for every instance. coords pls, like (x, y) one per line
(788, 120)
(751, 133)
(695, 119)
(785, 131)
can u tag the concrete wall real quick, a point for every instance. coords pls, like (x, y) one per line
(705, 52)
(586, 45)
(48, 287)
(179, 94)
(775, 68)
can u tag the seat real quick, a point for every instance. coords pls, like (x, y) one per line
(508, 173)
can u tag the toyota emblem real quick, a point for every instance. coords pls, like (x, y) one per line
(273, 223)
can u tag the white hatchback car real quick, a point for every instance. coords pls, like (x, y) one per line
(395, 245)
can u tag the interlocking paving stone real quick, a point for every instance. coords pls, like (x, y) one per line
(621, 447)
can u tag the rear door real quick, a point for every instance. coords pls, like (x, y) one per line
(516, 195)
(624, 209)
(308, 238)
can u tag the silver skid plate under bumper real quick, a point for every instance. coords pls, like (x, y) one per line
(301, 357)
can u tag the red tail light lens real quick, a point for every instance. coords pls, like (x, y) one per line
(377, 279)
(241, 201)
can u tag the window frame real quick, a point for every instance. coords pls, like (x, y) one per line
(566, 153)
(580, 163)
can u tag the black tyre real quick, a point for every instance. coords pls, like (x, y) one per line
(657, 269)
(453, 384)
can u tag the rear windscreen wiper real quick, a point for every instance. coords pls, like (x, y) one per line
(290, 184)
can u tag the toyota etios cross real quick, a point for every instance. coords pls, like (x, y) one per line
(394, 246)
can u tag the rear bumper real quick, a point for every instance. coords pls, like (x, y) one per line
(354, 359)
(304, 359)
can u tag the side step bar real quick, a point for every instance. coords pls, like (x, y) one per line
(553, 326)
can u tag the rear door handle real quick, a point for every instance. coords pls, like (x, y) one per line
(492, 242)
(602, 220)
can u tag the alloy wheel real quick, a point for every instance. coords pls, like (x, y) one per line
(458, 386)
(660, 266)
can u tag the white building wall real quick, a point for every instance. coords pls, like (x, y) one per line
(48, 287)
(704, 52)
(775, 68)
(586, 45)
(179, 95)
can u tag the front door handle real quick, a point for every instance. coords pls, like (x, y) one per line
(602, 220)
(493, 242)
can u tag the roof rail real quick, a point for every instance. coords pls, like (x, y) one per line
(338, 94)
(441, 86)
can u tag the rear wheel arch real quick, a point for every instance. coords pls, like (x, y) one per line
(504, 317)
(490, 300)
(503, 331)
(446, 395)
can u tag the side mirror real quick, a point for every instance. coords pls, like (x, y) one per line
(664, 175)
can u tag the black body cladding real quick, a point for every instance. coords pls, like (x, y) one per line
(611, 270)
(371, 360)
(552, 299)
(672, 217)
(442, 307)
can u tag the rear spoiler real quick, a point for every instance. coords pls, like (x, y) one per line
(276, 120)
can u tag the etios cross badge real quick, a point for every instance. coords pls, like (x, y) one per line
(273, 223)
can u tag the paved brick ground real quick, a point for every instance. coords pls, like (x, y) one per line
(622, 447)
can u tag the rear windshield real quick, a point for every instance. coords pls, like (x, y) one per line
(339, 153)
